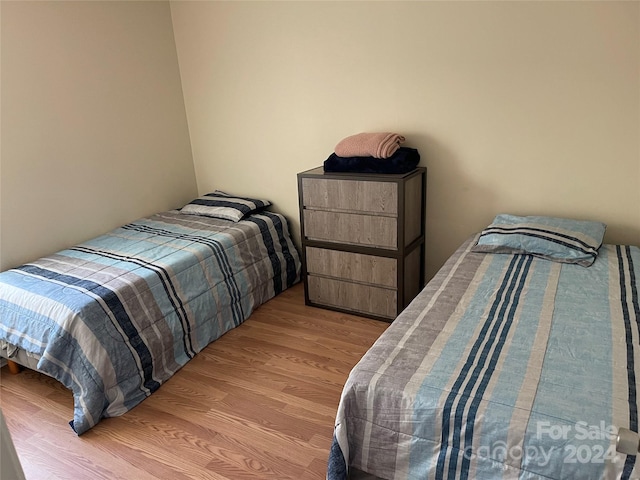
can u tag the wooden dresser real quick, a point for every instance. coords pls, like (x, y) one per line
(362, 240)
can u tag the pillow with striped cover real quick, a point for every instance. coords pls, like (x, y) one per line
(558, 239)
(222, 205)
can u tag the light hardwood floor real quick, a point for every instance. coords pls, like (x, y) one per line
(258, 403)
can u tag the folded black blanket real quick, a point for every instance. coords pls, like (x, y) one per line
(402, 161)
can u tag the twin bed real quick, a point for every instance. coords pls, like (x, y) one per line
(115, 317)
(518, 360)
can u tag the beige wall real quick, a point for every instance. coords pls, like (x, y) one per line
(522, 107)
(519, 107)
(93, 131)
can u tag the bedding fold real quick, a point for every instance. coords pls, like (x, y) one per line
(403, 161)
(376, 145)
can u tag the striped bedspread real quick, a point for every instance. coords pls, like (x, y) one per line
(115, 317)
(505, 366)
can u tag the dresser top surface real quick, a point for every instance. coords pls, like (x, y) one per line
(319, 172)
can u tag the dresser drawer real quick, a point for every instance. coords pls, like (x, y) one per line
(355, 297)
(355, 267)
(350, 195)
(354, 229)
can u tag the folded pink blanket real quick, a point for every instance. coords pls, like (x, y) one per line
(377, 145)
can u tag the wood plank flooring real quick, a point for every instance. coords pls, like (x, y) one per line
(258, 403)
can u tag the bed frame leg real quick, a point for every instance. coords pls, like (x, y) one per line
(14, 368)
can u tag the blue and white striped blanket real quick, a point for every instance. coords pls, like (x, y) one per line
(505, 366)
(115, 317)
